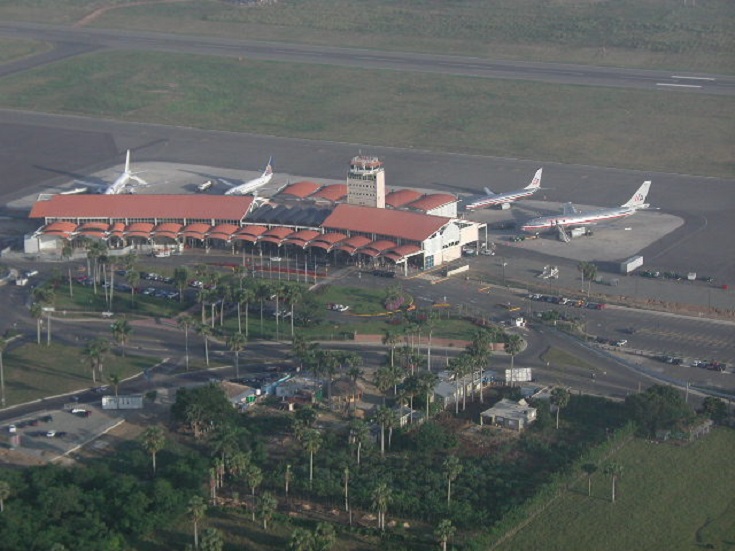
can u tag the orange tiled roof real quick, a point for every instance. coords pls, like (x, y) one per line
(333, 193)
(223, 231)
(301, 189)
(198, 230)
(301, 238)
(401, 252)
(353, 243)
(277, 235)
(401, 197)
(411, 226)
(432, 201)
(167, 229)
(328, 240)
(139, 229)
(217, 207)
(250, 233)
(376, 247)
(64, 229)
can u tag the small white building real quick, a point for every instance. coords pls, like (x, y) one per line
(509, 414)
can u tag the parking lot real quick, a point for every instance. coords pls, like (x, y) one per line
(47, 435)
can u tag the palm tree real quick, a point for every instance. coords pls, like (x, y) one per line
(301, 540)
(346, 480)
(287, 476)
(391, 339)
(614, 471)
(5, 492)
(37, 314)
(114, 380)
(391, 422)
(66, 251)
(458, 369)
(197, 509)
(381, 498)
(3, 346)
(382, 418)
(121, 330)
(589, 272)
(133, 279)
(185, 321)
(96, 250)
(95, 351)
(242, 296)
(359, 434)
(194, 416)
(430, 322)
(181, 277)
(45, 296)
(237, 463)
(205, 331)
(153, 440)
(560, 398)
(212, 540)
(452, 468)
(263, 292)
(268, 505)
(254, 476)
(312, 441)
(293, 294)
(589, 469)
(225, 441)
(443, 532)
(236, 343)
(427, 382)
(513, 346)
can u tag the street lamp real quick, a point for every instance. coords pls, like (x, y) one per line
(504, 264)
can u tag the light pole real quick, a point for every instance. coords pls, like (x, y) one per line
(504, 264)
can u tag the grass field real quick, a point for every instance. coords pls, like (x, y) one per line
(570, 124)
(16, 49)
(673, 498)
(35, 371)
(633, 33)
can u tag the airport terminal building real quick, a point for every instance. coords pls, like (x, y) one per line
(365, 225)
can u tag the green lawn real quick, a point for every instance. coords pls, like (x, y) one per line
(631, 129)
(35, 371)
(11, 50)
(676, 498)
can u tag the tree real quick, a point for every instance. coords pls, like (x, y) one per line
(301, 540)
(346, 481)
(236, 343)
(3, 346)
(714, 408)
(312, 441)
(121, 330)
(243, 296)
(185, 321)
(382, 418)
(153, 440)
(614, 471)
(133, 279)
(293, 294)
(287, 476)
(589, 272)
(196, 510)
(513, 345)
(205, 331)
(37, 314)
(381, 497)
(359, 434)
(225, 440)
(5, 492)
(427, 382)
(181, 277)
(212, 540)
(589, 469)
(95, 352)
(254, 476)
(452, 469)
(324, 537)
(114, 379)
(560, 398)
(385, 378)
(391, 339)
(660, 407)
(96, 251)
(267, 506)
(443, 532)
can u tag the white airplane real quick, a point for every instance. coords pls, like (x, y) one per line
(571, 217)
(492, 199)
(123, 182)
(252, 185)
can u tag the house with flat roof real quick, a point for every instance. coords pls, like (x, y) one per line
(509, 414)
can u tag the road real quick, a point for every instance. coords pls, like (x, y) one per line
(69, 40)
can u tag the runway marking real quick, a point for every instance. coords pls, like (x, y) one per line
(693, 78)
(678, 85)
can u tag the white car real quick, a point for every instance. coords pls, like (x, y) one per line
(51, 433)
(12, 429)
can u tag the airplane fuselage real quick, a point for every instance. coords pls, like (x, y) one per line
(118, 186)
(249, 187)
(572, 220)
(499, 199)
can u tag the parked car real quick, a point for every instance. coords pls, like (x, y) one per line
(51, 433)
(621, 342)
(12, 429)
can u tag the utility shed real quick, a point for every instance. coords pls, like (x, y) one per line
(132, 401)
(509, 414)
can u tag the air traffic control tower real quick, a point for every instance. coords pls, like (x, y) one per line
(366, 182)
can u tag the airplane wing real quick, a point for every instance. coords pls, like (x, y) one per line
(140, 182)
(569, 209)
(227, 182)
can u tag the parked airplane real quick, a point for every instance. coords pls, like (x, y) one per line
(252, 185)
(123, 183)
(571, 217)
(491, 199)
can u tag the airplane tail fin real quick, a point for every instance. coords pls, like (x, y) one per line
(489, 192)
(269, 167)
(638, 201)
(536, 182)
(127, 162)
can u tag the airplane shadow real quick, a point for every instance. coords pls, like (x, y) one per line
(82, 178)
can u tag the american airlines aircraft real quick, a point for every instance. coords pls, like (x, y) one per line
(571, 217)
(252, 185)
(492, 199)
